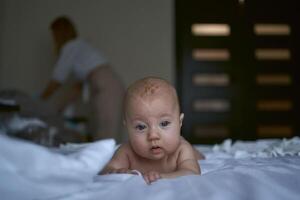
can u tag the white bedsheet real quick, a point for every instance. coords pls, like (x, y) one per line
(29, 171)
(74, 176)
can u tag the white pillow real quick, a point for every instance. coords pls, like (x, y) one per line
(30, 171)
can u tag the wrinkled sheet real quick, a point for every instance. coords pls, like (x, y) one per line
(261, 148)
(224, 176)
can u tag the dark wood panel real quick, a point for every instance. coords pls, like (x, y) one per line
(243, 67)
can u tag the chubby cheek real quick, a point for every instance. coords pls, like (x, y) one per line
(138, 143)
(172, 140)
(172, 143)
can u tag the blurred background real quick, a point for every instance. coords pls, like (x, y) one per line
(235, 63)
(136, 36)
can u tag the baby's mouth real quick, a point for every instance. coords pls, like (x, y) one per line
(156, 149)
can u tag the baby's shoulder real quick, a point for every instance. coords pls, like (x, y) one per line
(125, 148)
(184, 143)
(184, 147)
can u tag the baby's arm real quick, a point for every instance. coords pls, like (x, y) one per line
(186, 163)
(119, 162)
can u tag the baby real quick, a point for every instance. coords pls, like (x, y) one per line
(155, 148)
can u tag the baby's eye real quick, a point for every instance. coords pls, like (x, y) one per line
(164, 123)
(140, 127)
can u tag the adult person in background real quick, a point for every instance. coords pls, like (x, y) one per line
(87, 65)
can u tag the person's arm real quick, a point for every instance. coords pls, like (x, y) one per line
(186, 167)
(50, 89)
(62, 69)
(119, 162)
(187, 163)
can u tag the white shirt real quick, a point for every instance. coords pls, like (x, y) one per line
(79, 58)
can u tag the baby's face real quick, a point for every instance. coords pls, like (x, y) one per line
(153, 124)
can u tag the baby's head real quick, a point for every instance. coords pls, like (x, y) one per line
(149, 88)
(152, 117)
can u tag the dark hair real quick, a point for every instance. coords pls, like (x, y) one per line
(65, 25)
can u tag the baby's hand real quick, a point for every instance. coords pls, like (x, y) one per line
(151, 176)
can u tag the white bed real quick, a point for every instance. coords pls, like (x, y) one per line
(266, 169)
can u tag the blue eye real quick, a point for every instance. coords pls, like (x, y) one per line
(164, 123)
(140, 127)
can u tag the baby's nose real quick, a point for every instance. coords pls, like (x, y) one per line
(153, 134)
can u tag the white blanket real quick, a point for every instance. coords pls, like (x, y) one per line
(28, 171)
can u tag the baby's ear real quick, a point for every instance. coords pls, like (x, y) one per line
(181, 118)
